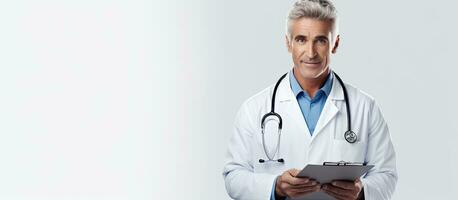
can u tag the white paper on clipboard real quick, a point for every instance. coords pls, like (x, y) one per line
(328, 173)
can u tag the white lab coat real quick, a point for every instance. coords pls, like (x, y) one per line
(247, 179)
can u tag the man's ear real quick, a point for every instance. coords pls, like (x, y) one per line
(336, 44)
(288, 44)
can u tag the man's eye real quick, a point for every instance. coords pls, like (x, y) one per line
(300, 40)
(321, 41)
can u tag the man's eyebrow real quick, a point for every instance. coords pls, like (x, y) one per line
(322, 37)
(300, 37)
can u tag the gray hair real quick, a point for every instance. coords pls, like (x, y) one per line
(314, 9)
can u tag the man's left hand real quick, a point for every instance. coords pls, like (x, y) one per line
(344, 190)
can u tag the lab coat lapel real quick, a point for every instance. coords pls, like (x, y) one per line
(330, 109)
(288, 100)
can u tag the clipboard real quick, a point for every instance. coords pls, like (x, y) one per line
(331, 171)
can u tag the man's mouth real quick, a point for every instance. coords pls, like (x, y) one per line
(311, 63)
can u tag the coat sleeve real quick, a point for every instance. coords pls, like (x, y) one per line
(240, 179)
(380, 181)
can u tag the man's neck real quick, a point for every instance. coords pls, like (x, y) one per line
(311, 86)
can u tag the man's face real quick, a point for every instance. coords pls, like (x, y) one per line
(311, 45)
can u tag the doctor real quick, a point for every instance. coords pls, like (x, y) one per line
(312, 104)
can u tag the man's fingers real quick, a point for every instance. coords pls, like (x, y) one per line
(339, 192)
(310, 183)
(345, 185)
(295, 181)
(306, 189)
(294, 172)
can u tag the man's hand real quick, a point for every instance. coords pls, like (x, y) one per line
(288, 185)
(344, 190)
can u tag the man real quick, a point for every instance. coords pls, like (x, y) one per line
(311, 104)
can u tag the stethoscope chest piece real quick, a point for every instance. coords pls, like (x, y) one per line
(350, 136)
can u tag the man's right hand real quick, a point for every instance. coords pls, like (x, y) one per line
(288, 185)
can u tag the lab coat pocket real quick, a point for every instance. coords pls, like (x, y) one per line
(348, 152)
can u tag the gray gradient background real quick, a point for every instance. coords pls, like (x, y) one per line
(136, 99)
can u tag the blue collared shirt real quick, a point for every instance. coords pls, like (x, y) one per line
(311, 108)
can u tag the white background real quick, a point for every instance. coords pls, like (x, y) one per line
(136, 99)
(76, 100)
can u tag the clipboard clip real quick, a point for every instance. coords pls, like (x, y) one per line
(343, 163)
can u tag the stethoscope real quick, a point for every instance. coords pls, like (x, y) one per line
(349, 135)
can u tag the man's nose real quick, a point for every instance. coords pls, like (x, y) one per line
(310, 50)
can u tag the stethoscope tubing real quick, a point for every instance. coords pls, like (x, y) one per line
(349, 135)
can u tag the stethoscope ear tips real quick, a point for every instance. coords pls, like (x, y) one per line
(281, 160)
